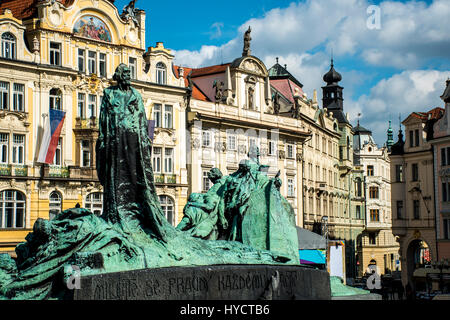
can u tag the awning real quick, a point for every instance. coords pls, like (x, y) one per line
(312, 256)
(308, 240)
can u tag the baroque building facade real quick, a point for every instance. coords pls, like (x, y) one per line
(61, 55)
(377, 246)
(413, 193)
(441, 152)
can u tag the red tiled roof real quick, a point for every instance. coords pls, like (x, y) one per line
(286, 87)
(210, 70)
(435, 113)
(25, 9)
(196, 92)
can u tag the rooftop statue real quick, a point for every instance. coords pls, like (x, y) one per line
(132, 232)
(247, 39)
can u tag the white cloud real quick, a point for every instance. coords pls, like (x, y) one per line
(410, 32)
(403, 93)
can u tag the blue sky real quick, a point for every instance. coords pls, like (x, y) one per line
(396, 69)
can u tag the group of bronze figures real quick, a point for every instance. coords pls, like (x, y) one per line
(242, 219)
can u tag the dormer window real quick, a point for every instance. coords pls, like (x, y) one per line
(160, 73)
(8, 46)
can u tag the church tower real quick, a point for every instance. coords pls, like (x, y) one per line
(333, 98)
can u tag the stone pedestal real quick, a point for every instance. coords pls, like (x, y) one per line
(218, 282)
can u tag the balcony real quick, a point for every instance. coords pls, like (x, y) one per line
(57, 172)
(165, 178)
(86, 123)
(13, 170)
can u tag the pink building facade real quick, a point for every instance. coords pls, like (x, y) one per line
(441, 150)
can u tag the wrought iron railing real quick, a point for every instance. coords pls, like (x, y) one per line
(20, 171)
(5, 169)
(58, 172)
(171, 178)
(159, 178)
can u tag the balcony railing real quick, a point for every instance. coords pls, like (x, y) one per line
(5, 169)
(86, 123)
(58, 172)
(16, 170)
(20, 171)
(165, 178)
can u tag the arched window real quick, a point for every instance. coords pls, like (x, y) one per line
(55, 204)
(94, 203)
(55, 100)
(168, 207)
(161, 73)
(12, 209)
(8, 46)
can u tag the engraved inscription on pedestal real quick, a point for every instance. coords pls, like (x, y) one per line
(207, 283)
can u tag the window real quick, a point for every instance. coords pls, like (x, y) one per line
(206, 182)
(85, 153)
(168, 160)
(252, 141)
(398, 173)
(57, 159)
(411, 139)
(157, 159)
(94, 203)
(445, 190)
(55, 54)
(374, 215)
(317, 142)
(168, 117)
(372, 238)
(206, 139)
(133, 67)
(92, 106)
(341, 153)
(358, 212)
(373, 193)
(272, 148)
(4, 146)
(157, 115)
(358, 187)
(55, 204)
(399, 209)
(81, 60)
(102, 65)
(416, 209)
(290, 151)
(81, 105)
(8, 46)
(4, 95)
(324, 145)
(18, 97)
(290, 187)
(446, 228)
(12, 209)
(416, 132)
(55, 99)
(92, 62)
(18, 149)
(415, 172)
(231, 141)
(160, 73)
(167, 206)
(370, 171)
(443, 157)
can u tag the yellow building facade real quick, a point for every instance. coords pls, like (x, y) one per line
(62, 55)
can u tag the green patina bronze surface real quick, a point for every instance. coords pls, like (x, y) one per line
(243, 219)
(339, 289)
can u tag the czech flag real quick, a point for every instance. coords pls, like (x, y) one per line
(50, 139)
